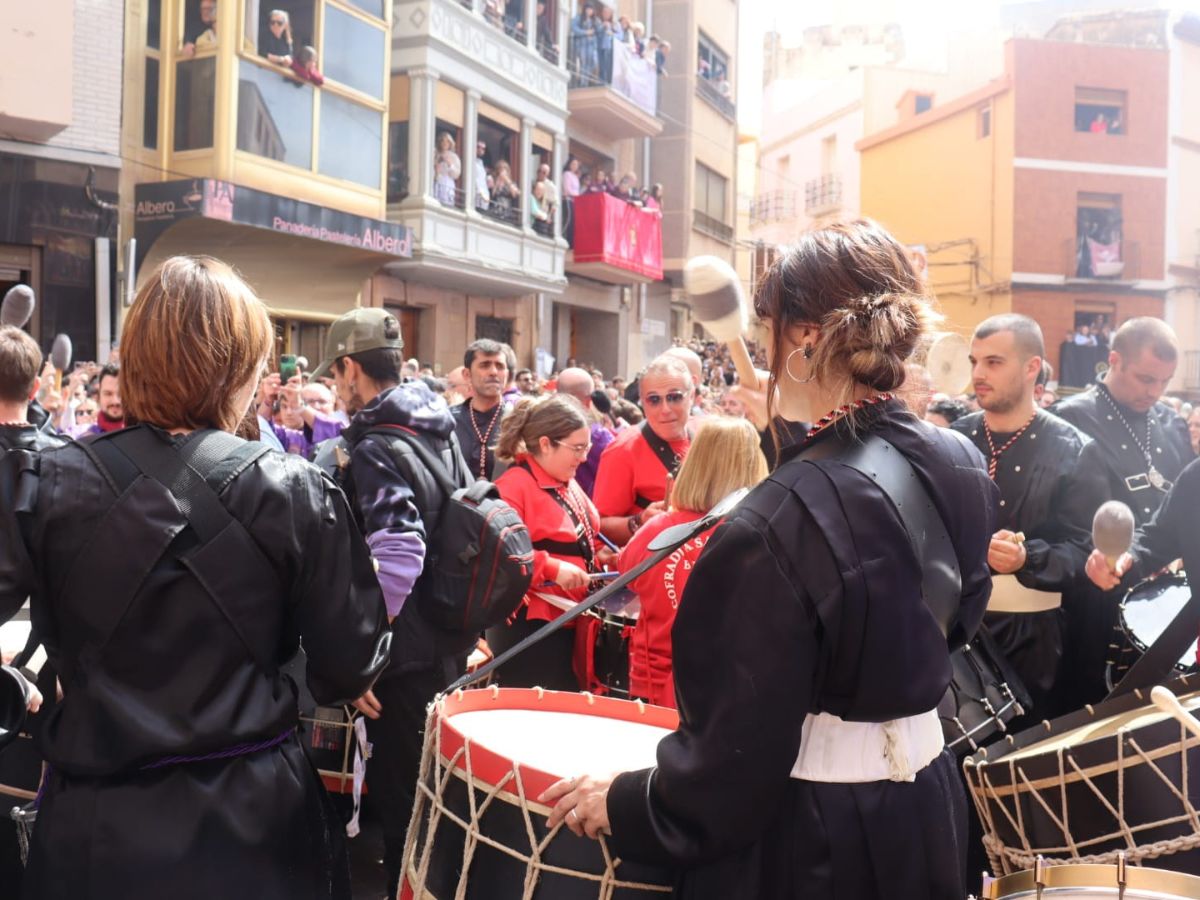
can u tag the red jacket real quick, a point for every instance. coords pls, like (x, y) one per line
(628, 470)
(531, 492)
(659, 590)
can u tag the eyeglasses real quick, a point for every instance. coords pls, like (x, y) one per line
(577, 449)
(673, 398)
(278, 22)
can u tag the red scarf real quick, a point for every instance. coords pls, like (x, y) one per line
(107, 425)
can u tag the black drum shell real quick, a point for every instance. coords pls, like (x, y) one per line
(1146, 798)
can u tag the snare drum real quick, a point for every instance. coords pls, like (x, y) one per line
(477, 831)
(1075, 882)
(1148, 608)
(983, 697)
(618, 616)
(1086, 787)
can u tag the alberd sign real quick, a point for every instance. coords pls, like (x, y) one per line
(159, 205)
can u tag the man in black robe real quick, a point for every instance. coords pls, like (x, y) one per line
(1140, 446)
(1046, 505)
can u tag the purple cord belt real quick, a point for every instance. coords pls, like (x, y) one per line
(228, 753)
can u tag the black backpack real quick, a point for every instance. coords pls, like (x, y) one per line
(479, 561)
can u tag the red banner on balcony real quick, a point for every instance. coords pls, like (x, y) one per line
(611, 231)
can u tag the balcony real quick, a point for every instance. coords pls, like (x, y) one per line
(476, 253)
(625, 106)
(773, 206)
(615, 241)
(718, 101)
(1115, 261)
(823, 196)
(714, 228)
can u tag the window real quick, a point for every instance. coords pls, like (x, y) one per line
(494, 328)
(150, 105)
(195, 88)
(1099, 111)
(371, 7)
(397, 178)
(1098, 250)
(277, 29)
(985, 122)
(829, 154)
(354, 51)
(448, 156)
(274, 115)
(153, 24)
(199, 27)
(709, 203)
(351, 141)
(923, 103)
(501, 161)
(713, 61)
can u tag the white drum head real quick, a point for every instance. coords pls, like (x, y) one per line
(1148, 611)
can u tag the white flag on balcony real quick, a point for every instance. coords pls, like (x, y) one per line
(635, 77)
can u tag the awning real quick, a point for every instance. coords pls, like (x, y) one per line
(297, 256)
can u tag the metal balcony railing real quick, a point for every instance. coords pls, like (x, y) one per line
(722, 104)
(773, 206)
(706, 224)
(823, 194)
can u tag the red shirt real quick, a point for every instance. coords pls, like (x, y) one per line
(628, 470)
(532, 494)
(659, 590)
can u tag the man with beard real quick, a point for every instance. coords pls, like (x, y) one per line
(632, 481)
(1046, 505)
(477, 421)
(397, 503)
(111, 416)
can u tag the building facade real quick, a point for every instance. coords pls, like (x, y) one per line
(59, 166)
(1042, 192)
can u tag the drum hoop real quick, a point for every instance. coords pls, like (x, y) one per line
(1178, 580)
(493, 767)
(1090, 714)
(1174, 884)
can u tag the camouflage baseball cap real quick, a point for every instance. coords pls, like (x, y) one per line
(366, 328)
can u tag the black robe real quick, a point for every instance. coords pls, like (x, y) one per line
(808, 599)
(1046, 494)
(175, 677)
(1173, 533)
(1123, 462)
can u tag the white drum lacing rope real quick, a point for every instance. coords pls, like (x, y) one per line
(435, 775)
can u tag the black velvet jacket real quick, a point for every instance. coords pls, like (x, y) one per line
(808, 599)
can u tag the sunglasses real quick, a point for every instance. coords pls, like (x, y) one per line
(673, 398)
(278, 22)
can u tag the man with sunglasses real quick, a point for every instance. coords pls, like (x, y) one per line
(632, 482)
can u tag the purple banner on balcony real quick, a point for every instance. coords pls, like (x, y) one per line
(635, 77)
(611, 231)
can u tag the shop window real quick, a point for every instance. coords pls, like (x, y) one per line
(494, 328)
(153, 24)
(1099, 111)
(277, 29)
(503, 166)
(274, 115)
(195, 88)
(150, 106)
(397, 179)
(351, 144)
(354, 51)
(199, 27)
(985, 122)
(1099, 253)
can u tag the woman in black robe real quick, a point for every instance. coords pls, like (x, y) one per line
(808, 761)
(175, 769)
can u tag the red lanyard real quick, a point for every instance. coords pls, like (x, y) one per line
(995, 454)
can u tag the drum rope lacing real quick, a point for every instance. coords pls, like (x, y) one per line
(435, 767)
(1007, 860)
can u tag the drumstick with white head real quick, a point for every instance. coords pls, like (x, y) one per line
(1112, 531)
(719, 304)
(1165, 699)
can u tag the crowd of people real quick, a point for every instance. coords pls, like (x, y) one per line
(596, 30)
(793, 635)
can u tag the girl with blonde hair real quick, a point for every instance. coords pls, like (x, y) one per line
(724, 457)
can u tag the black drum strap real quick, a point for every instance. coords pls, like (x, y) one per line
(941, 581)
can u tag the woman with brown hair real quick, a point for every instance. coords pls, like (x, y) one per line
(173, 568)
(724, 457)
(809, 660)
(546, 440)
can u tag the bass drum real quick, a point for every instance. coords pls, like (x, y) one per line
(1093, 883)
(1148, 608)
(1108, 780)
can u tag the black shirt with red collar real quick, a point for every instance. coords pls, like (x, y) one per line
(541, 501)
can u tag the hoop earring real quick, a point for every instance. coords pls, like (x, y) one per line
(787, 365)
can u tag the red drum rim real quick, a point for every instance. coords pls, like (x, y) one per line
(1089, 715)
(489, 766)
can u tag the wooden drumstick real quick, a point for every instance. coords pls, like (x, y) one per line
(1165, 700)
(1018, 538)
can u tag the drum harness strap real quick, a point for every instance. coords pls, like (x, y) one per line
(665, 455)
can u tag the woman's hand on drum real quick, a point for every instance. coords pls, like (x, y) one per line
(1103, 575)
(580, 803)
(571, 577)
(369, 706)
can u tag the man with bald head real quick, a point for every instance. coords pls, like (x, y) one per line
(691, 359)
(635, 471)
(577, 383)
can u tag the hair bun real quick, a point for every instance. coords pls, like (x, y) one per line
(877, 334)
